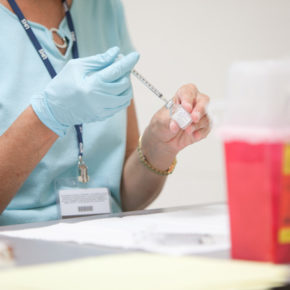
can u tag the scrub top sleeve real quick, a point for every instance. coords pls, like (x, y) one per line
(126, 45)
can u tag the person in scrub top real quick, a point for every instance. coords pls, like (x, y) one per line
(39, 143)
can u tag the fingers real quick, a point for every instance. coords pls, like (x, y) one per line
(204, 123)
(193, 101)
(98, 61)
(117, 88)
(201, 133)
(199, 110)
(173, 126)
(119, 68)
(186, 96)
(117, 102)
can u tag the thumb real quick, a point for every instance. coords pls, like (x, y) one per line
(100, 61)
(174, 128)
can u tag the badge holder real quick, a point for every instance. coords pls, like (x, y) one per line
(76, 198)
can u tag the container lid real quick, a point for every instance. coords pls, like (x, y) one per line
(257, 106)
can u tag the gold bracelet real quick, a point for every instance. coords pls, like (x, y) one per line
(145, 162)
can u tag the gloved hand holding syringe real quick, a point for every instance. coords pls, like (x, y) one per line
(177, 112)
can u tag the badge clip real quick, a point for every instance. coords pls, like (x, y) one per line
(83, 171)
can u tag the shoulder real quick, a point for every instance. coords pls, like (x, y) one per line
(105, 24)
(97, 6)
(100, 12)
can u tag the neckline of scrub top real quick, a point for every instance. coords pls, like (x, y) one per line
(62, 27)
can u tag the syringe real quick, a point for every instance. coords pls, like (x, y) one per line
(149, 86)
(177, 112)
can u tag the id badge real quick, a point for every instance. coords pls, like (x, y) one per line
(77, 199)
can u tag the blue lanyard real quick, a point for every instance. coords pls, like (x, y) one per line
(43, 56)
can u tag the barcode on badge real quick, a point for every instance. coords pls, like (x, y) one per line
(85, 208)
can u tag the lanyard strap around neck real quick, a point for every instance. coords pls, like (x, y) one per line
(43, 56)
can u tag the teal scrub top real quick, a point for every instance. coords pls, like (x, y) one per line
(99, 25)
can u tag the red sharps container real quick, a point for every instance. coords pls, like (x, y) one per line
(256, 134)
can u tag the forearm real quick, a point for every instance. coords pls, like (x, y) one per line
(140, 185)
(23, 145)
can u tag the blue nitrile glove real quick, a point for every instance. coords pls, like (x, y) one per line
(86, 90)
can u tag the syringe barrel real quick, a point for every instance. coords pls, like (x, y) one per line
(147, 84)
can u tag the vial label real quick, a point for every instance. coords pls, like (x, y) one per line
(182, 117)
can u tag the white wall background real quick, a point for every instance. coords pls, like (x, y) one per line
(184, 41)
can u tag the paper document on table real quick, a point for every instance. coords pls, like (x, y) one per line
(181, 232)
(146, 272)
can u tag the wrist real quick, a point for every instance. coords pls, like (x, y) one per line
(157, 153)
(147, 164)
(44, 114)
(44, 135)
